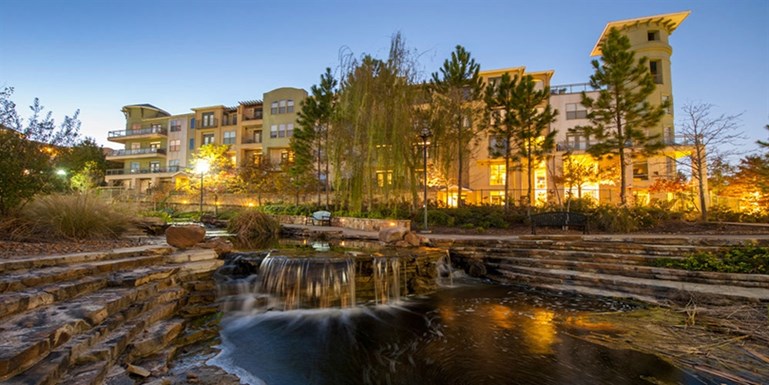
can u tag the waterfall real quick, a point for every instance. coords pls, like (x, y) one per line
(445, 271)
(298, 283)
(387, 287)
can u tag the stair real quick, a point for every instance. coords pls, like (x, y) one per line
(612, 267)
(69, 319)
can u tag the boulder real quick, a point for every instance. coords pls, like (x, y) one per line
(392, 234)
(476, 268)
(184, 237)
(412, 239)
(219, 245)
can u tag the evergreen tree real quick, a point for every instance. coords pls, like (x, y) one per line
(620, 114)
(456, 90)
(521, 116)
(310, 139)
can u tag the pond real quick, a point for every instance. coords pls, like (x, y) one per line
(458, 332)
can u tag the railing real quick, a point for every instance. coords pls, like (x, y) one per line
(255, 116)
(568, 146)
(678, 140)
(138, 151)
(250, 141)
(208, 123)
(575, 88)
(122, 171)
(141, 131)
(233, 121)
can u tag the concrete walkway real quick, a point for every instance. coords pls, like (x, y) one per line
(640, 237)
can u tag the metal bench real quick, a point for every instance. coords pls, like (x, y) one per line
(560, 219)
(322, 218)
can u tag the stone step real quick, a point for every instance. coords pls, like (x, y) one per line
(76, 258)
(95, 342)
(604, 257)
(39, 277)
(27, 338)
(491, 248)
(191, 255)
(664, 289)
(637, 271)
(17, 302)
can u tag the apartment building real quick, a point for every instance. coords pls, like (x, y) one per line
(158, 146)
(649, 36)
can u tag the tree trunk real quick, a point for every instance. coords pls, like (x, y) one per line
(507, 175)
(460, 166)
(699, 163)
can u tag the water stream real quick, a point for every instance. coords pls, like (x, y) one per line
(353, 320)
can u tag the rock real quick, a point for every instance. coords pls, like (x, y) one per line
(185, 236)
(476, 268)
(392, 234)
(138, 370)
(412, 239)
(221, 246)
(420, 285)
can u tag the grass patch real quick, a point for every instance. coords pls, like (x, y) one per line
(71, 216)
(745, 259)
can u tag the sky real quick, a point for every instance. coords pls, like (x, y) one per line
(100, 55)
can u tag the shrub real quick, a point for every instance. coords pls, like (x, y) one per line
(613, 219)
(748, 259)
(74, 216)
(252, 226)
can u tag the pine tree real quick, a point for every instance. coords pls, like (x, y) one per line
(311, 137)
(620, 114)
(521, 116)
(456, 92)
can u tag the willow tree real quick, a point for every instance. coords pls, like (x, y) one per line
(456, 92)
(621, 113)
(372, 152)
(311, 137)
(521, 116)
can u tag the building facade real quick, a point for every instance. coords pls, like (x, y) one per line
(158, 146)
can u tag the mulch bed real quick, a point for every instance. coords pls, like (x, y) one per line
(11, 249)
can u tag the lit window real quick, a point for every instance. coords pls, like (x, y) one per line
(497, 174)
(208, 138)
(384, 178)
(174, 145)
(286, 156)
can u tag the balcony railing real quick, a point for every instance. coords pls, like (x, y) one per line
(254, 116)
(575, 88)
(678, 140)
(139, 151)
(122, 171)
(135, 132)
(210, 123)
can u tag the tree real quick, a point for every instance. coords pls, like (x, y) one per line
(311, 137)
(456, 90)
(763, 144)
(707, 135)
(28, 151)
(521, 116)
(620, 114)
(750, 184)
(221, 176)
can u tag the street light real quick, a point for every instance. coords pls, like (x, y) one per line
(201, 167)
(424, 135)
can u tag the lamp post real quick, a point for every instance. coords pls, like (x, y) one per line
(201, 167)
(424, 135)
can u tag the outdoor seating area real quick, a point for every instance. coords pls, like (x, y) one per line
(319, 218)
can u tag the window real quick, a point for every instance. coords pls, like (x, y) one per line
(282, 107)
(655, 67)
(497, 146)
(497, 174)
(173, 165)
(192, 123)
(136, 126)
(641, 171)
(176, 125)
(286, 156)
(274, 108)
(666, 99)
(258, 136)
(384, 178)
(174, 145)
(192, 144)
(155, 166)
(136, 146)
(209, 120)
(155, 145)
(290, 106)
(229, 137)
(134, 166)
(653, 35)
(281, 131)
(575, 111)
(274, 131)
(208, 138)
(289, 130)
(156, 127)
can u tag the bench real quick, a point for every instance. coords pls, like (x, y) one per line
(559, 219)
(322, 218)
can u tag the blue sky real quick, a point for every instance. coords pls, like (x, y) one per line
(101, 55)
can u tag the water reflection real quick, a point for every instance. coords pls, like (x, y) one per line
(465, 335)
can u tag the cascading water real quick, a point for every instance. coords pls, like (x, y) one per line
(297, 283)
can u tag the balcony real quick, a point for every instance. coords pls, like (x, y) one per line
(141, 133)
(208, 123)
(122, 171)
(136, 153)
(253, 116)
(575, 88)
(571, 146)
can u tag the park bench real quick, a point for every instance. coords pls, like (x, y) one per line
(560, 219)
(322, 218)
